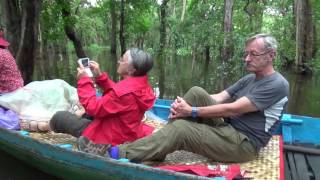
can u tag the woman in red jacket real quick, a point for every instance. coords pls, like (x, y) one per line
(117, 115)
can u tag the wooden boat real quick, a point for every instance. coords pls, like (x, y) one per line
(52, 154)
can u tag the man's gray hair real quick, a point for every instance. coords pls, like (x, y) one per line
(269, 41)
(140, 60)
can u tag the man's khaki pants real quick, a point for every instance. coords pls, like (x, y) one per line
(209, 137)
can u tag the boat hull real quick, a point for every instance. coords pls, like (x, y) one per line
(70, 164)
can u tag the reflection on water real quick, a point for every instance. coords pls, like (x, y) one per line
(305, 96)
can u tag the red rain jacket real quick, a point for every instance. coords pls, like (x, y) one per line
(118, 113)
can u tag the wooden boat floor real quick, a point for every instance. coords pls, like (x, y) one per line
(266, 166)
(301, 166)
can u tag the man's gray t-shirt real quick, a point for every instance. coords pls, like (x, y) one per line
(270, 96)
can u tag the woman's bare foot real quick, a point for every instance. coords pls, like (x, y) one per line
(34, 126)
(43, 126)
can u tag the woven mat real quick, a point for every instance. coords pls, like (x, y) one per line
(266, 166)
(54, 138)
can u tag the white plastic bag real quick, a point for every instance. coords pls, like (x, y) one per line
(39, 100)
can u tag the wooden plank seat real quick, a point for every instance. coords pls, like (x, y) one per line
(300, 165)
(266, 166)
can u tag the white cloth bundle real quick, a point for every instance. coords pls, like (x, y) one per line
(39, 100)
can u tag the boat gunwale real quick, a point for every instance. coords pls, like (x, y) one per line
(106, 166)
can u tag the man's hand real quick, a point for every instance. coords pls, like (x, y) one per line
(180, 108)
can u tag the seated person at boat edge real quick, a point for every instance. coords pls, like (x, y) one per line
(117, 115)
(10, 76)
(251, 109)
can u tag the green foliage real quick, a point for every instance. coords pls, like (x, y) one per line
(95, 50)
(279, 23)
(151, 51)
(201, 27)
(183, 52)
(51, 21)
(138, 19)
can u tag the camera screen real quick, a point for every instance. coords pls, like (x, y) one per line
(85, 62)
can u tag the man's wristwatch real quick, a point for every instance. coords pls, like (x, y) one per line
(194, 112)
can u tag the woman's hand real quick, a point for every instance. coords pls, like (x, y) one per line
(81, 72)
(94, 66)
(180, 108)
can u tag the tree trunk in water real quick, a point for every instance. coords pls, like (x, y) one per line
(66, 60)
(161, 55)
(50, 56)
(45, 60)
(113, 33)
(207, 55)
(39, 53)
(68, 27)
(227, 49)
(12, 15)
(305, 33)
(206, 65)
(296, 88)
(26, 55)
(55, 60)
(293, 33)
(194, 46)
(113, 71)
(184, 4)
(121, 33)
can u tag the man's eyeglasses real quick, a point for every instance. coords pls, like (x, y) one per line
(254, 54)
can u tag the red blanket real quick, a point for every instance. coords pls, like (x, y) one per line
(227, 171)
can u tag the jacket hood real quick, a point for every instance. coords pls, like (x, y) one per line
(140, 88)
(145, 98)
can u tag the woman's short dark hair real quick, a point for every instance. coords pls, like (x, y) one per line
(141, 61)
